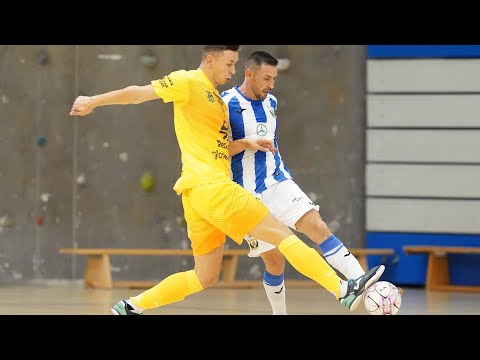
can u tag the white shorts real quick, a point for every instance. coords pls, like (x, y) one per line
(288, 203)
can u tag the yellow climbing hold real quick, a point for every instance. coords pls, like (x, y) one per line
(147, 181)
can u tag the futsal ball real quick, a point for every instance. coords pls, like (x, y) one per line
(382, 298)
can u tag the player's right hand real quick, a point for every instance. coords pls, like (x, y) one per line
(261, 144)
(83, 105)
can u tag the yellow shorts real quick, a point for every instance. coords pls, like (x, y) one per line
(214, 211)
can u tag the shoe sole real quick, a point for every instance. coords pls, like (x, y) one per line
(114, 312)
(372, 280)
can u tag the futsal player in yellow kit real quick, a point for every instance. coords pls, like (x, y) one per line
(214, 205)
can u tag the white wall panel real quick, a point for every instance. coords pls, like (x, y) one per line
(423, 75)
(452, 111)
(443, 181)
(453, 146)
(426, 216)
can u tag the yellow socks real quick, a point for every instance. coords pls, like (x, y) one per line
(303, 258)
(171, 289)
(308, 261)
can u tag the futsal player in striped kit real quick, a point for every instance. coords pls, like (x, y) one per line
(215, 206)
(252, 110)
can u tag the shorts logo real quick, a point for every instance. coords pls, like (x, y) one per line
(253, 244)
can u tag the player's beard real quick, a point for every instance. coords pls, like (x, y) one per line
(260, 95)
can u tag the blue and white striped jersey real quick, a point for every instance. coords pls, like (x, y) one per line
(255, 171)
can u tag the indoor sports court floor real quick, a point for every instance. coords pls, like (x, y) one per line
(70, 298)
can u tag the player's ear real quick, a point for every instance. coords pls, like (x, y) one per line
(209, 60)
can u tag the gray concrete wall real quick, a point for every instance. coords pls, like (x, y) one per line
(321, 135)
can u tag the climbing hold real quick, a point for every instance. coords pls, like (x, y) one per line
(5, 221)
(39, 220)
(45, 197)
(149, 60)
(42, 58)
(123, 156)
(41, 140)
(81, 179)
(147, 181)
(180, 220)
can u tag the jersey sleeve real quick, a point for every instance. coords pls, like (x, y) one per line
(172, 87)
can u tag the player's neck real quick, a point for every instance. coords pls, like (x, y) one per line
(245, 90)
(209, 74)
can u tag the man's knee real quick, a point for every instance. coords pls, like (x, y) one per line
(321, 226)
(312, 223)
(209, 266)
(271, 230)
(208, 279)
(274, 261)
(208, 272)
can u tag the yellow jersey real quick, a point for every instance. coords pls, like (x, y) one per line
(201, 126)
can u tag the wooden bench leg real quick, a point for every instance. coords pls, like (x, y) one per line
(437, 272)
(98, 272)
(229, 268)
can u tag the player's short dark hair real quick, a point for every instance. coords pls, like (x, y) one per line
(258, 58)
(208, 49)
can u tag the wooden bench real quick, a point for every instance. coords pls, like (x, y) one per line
(98, 267)
(438, 277)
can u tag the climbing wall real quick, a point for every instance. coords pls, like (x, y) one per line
(36, 87)
(105, 180)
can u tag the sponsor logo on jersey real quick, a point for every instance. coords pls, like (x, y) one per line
(210, 97)
(272, 111)
(262, 130)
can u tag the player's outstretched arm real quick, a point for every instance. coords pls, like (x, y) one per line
(240, 145)
(84, 105)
